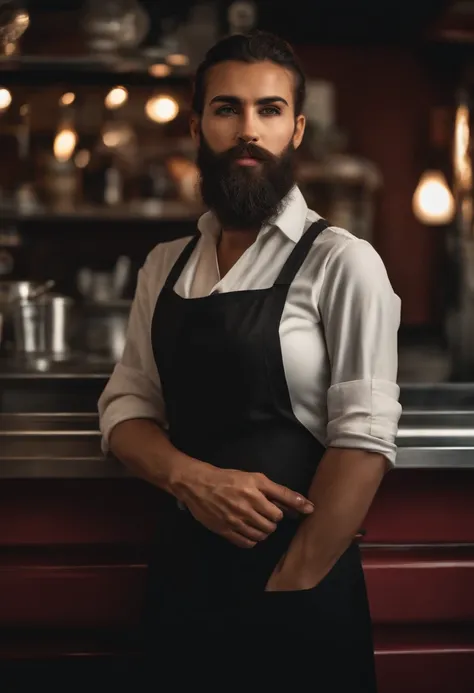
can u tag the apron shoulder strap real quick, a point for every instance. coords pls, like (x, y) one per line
(299, 253)
(181, 262)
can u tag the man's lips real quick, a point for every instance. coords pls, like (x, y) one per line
(247, 161)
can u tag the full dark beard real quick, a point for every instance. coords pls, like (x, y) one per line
(245, 197)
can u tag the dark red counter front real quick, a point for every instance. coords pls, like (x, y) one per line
(73, 561)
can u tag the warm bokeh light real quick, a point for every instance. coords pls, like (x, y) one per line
(82, 158)
(10, 49)
(116, 98)
(162, 108)
(112, 139)
(159, 70)
(117, 134)
(5, 99)
(433, 202)
(65, 144)
(178, 59)
(67, 99)
(462, 163)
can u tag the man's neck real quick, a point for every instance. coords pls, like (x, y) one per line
(236, 240)
(231, 245)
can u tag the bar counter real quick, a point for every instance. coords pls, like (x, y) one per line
(49, 425)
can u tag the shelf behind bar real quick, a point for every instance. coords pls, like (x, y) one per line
(167, 210)
(42, 69)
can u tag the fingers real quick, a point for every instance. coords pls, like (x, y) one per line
(253, 527)
(268, 510)
(284, 495)
(261, 523)
(239, 540)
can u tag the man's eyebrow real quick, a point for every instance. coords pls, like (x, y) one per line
(235, 101)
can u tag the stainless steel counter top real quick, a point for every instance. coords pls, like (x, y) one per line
(68, 445)
(436, 429)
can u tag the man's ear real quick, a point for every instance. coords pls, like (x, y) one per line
(195, 128)
(299, 130)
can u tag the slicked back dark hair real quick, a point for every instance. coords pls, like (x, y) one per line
(250, 48)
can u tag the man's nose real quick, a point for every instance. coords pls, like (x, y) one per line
(248, 131)
(247, 138)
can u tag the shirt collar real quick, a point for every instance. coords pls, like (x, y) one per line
(290, 221)
(208, 225)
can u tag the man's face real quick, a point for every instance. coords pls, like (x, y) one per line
(246, 140)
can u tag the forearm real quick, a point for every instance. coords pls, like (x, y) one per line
(342, 491)
(145, 449)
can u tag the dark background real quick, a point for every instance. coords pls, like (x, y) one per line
(391, 62)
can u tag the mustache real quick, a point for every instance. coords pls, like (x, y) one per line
(248, 150)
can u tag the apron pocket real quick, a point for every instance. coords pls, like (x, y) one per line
(300, 594)
(342, 575)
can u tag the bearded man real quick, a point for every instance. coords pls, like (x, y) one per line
(257, 390)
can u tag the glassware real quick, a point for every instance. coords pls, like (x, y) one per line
(115, 25)
(14, 21)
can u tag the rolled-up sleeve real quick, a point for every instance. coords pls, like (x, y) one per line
(134, 389)
(361, 316)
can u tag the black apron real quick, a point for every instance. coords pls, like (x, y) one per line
(227, 403)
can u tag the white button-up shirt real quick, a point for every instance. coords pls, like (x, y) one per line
(338, 330)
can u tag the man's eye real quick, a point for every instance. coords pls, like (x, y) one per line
(270, 111)
(225, 110)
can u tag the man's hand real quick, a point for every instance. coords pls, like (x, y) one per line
(243, 507)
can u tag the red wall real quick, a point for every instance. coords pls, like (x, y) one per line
(383, 97)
